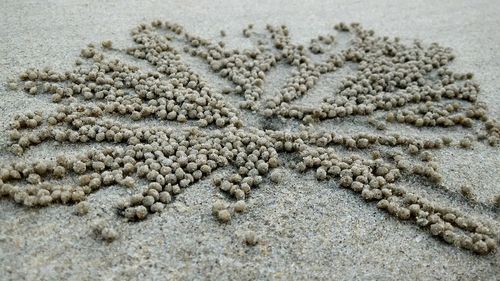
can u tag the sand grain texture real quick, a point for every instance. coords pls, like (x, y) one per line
(307, 229)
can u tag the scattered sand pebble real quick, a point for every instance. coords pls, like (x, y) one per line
(393, 84)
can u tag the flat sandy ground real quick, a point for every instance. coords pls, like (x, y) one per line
(308, 230)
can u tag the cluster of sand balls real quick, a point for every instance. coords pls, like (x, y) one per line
(411, 84)
(131, 113)
(374, 181)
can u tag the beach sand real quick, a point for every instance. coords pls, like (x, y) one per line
(308, 230)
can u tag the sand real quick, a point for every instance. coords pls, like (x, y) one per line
(307, 230)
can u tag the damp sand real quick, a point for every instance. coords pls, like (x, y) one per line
(307, 230)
